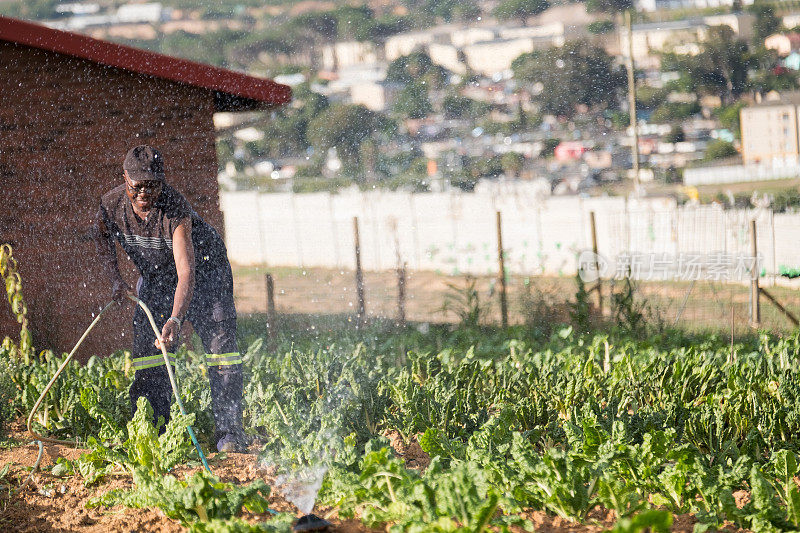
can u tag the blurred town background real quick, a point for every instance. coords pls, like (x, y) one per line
(423, 118)
(432, 94)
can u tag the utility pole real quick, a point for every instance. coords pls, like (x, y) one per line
(632, 100)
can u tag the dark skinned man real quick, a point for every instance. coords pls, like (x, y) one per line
(185, 276)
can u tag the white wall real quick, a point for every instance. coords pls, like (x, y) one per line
(456, 232)
(740, 173)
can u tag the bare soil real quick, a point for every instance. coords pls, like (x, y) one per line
(52, 504)
(321, 291)
(704, 305)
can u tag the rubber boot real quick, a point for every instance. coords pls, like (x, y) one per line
(226, 403)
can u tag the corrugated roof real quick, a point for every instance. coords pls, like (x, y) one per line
(233, 90)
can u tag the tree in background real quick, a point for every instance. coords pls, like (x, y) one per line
(417, 67)
(213, 47)
(766, 22)
(549, 147)
(601, 27)
(512, 163)
(722, 65)
(608, 6)
(346, 127)
(778, 78)
(574, 74)
(387, 26)
(719, 149)
(429, 12)
(675, 135)
(418, 74)
(650, 97)
(318, 26)
(30, 9)
(720, 68)
(728, 117)
(353, 22)
(770, 74)
(674, 112)
(413, 102)
(520, 9)
(457, 106)
(465, 11)
(286, 132)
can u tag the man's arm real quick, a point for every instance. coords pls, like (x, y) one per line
(108, 256)
(183, 251)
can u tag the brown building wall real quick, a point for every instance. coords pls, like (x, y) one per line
(65, 126)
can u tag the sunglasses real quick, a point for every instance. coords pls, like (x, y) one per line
(148, 188)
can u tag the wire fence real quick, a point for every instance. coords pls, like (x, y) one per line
(696, 268)
(538, 301)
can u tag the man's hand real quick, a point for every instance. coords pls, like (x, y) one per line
(170, 334)
(120, 290)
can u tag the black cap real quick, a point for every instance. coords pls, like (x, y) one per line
(144, 163)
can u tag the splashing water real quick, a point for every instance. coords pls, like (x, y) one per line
(301, 486)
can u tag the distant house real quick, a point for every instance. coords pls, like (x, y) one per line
(569, 151)
(792, 61)
(783, 43)
(770, 131)
(448, 56)
(377, 96)
(70, 109)
(494, 57)
(345, 54)
(488, 50)
(404, 43)
(681, 36)
(655, 37)
(656, 5)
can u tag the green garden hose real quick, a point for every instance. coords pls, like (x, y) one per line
(61, 368)
(53, 380)
(171, 378)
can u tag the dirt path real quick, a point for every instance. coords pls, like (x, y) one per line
(326, 291)
(704, 305)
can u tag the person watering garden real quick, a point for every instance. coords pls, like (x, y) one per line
(185, 276)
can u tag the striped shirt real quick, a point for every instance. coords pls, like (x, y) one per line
(148, 243)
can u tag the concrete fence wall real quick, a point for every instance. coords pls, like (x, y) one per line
(456, 232)
(738, 174)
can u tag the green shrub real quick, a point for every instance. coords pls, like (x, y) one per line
(673, 111)
(719, 149)
(601, 27)
(8, 391)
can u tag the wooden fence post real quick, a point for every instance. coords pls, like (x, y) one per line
(271, 326)
(401, 295)
(755, 308)
(502, 274)
(598, 287)
(362, 311)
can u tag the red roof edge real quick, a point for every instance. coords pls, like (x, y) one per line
(146, 62)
